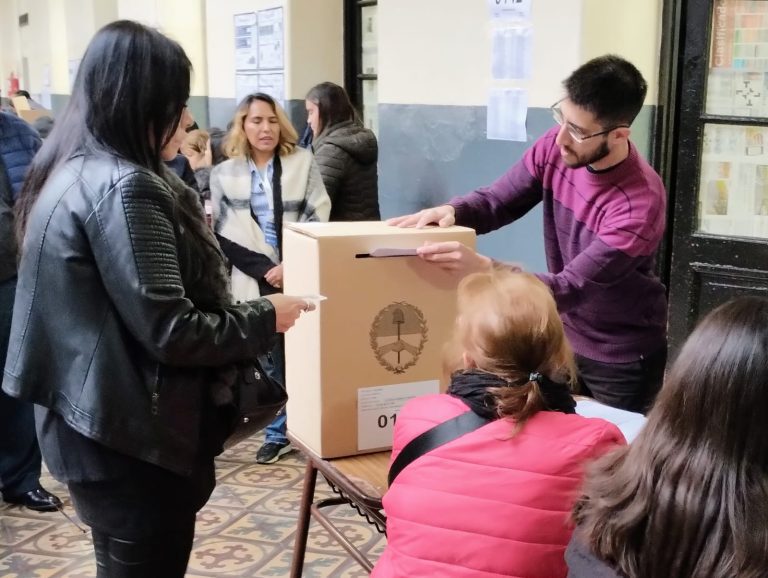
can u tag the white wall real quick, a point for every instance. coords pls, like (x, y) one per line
(221, 41)
(439, 51)
(630, 29)
(313, 43)
(317, 53)
(182, 20)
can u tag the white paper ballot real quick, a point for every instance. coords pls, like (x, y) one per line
(628, 422)
(313, 298)
(393, 252)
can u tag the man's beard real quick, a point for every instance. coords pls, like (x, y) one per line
(582, 161)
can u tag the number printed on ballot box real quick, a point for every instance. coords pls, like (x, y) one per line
(377, 409)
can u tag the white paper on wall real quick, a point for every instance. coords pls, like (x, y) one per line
(512, 53)
(271, 39)
(510, 9)
(246, 42)
(507, 113)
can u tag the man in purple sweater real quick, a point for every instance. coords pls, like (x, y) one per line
(604, 217)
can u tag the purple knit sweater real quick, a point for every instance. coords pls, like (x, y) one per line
(601, 233)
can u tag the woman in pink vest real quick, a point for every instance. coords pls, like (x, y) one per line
(495, 501)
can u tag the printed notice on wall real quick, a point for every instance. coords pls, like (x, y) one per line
(274, 85)
(246, 42)
(512, 53)
(507, 112)
(510, 9)
(271, 39)
(377, 409)
(246, 84)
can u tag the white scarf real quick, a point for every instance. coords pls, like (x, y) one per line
(304, 199)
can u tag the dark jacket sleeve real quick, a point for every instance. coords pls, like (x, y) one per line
(132, 235)
(249, 262)
(332, 162)
(203, 179)
(19, 143)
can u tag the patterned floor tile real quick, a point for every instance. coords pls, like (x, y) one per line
(85, 569)
(25, 565)
(228, 557)
(211, 520)
(236, 496)
(63, 540)
(316, 565)
(247, 529)
(14, 530)
(262, 528)
(274, 476)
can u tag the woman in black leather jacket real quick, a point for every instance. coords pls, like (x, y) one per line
(122, 319)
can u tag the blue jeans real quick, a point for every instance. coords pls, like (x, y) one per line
(274, 364)
(20, 458)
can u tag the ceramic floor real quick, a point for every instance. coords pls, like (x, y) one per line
(246, 529)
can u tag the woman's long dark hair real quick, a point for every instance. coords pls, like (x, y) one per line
(333, 104)
(689, 497)
(128, 96)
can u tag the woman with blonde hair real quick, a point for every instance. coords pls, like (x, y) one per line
(496, 500)
(267, 181)
(689, 497)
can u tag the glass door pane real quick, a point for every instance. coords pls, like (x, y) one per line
(370, 40)
(737, 83)
(733, 187)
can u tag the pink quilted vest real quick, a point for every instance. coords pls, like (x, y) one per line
(487, 505)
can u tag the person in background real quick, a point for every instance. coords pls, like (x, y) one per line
(267, 181)
(122, 316)
(216, 137)
(171, 152)
(305, 140)
(196, 147)
(33, 104)
(20, 459)
(497, 500)
(43, 125)
(346, 153)
(7, 106)
(195, 143)
(604, 218)
(689, 497)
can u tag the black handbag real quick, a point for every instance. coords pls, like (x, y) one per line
(257, 400)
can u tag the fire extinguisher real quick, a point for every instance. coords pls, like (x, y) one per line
(13, 84)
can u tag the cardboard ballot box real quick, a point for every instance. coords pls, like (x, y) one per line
(377, 339)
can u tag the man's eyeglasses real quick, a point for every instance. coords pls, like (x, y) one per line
(574, 132)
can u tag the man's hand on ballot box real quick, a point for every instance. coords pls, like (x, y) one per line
(455, 258)
(444, 216)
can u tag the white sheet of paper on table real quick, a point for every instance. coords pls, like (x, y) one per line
(628, 422)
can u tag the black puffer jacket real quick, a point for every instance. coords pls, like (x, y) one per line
(347, 154)
(104, 332)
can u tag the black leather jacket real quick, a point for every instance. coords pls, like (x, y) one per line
(103, 333)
